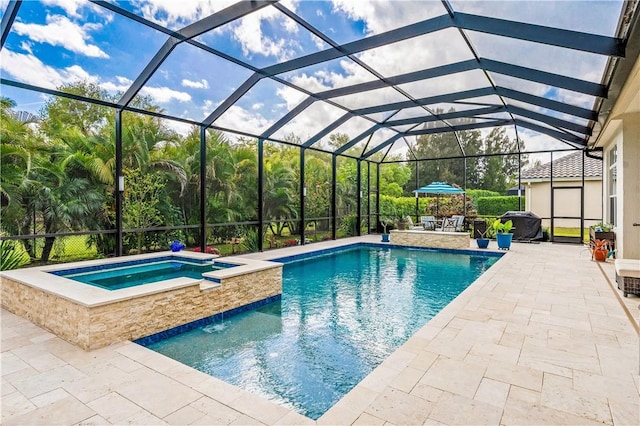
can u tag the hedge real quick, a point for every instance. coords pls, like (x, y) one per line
(495, 206)
(394, 207)
(474, 194)
(400, 206)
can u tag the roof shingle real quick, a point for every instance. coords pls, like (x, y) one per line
(569, 166)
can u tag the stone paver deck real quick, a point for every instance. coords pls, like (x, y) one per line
(542, 338)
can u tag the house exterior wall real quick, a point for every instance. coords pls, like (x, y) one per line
(538, 201)
(629, 187)
(626, 136)
(622, 129)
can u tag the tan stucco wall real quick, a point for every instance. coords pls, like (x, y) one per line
(628, 236)
(567, 202)
(622, 128)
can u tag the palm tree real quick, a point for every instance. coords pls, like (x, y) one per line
(280, 187)
(19, 145)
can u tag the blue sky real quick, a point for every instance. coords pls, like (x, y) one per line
(54, 42)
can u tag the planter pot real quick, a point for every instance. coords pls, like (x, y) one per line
(601, 235)
(483, 243)
(402, 226)
(504, 241)
(385, 238)
(600, 255)
(176, 246)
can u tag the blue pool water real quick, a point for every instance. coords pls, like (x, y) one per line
(340, 316)
(116, 277)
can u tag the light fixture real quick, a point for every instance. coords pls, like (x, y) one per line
(121, 183)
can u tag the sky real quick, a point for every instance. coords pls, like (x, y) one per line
(56, 42)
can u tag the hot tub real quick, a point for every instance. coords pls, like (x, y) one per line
(92, 317)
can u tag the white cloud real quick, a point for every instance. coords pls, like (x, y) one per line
(78, 73)
(319, 43)
(123, 80)
(237, 118)
(257, 106)
(207, 107)
(121, 85)
(165, 95)
(26, 46)
(174, 13)
(181, 128)
(202, 84)
(31, 70)
(161, 95)
(252, 39)
(69, 6)
(535, 141)
(60, 31)
(381, 16)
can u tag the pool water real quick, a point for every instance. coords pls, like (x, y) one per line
(130, 276)
(339, 317)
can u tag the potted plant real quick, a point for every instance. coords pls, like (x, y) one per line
(483, 233)
(385, 221)
(599, 250)
(601, 231)
(176, 246)
(503, 233)
(402, 222)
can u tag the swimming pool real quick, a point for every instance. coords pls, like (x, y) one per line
(125, 275)
(341, 314)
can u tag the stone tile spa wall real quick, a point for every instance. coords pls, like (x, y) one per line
(92, 327)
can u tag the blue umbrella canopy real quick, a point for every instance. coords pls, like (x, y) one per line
(438, 188)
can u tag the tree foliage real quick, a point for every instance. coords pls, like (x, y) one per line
(60, 175)
(493, 172)
(141, 202)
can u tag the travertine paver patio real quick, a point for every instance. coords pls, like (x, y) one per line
(541, 338)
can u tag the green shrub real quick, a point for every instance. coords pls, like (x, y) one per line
(250, 240)
(348, 226)
(12, 257)
(495, 206)
(406, 206)
(474, 194)
(401, 206)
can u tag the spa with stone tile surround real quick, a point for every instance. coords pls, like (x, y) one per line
(92, 317)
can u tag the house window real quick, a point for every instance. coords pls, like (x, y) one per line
(613, 178)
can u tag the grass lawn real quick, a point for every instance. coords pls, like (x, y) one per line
(571, 232)
(66, 249)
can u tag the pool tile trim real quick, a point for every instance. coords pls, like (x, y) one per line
(331, 250)
(45, 279)
(202, 322)
(127, 263)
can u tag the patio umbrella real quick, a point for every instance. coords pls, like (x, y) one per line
(438, 188)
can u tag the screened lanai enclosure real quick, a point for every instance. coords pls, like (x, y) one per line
(259, 124)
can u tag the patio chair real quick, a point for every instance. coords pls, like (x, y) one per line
(460, 223)
(428, 223)
(449, 224)
(410, 224)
